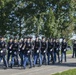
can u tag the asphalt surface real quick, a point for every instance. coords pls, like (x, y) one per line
(43, 70)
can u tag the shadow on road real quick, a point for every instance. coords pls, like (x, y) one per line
(65, 64)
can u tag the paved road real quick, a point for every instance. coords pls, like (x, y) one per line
(43, 70)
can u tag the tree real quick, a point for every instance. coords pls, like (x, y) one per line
(47, 17)
(4, 14)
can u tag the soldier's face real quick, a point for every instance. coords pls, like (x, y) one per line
(36, 39)
(11, 40)
(43, 39)
(20, 40)
(2, 39)
(25, 39)
(15, 40)
(54, 40)
(51, 40)
(64, 40)
(31, 39)
(57, 40)
(28, 39)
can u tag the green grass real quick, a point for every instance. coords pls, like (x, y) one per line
(69, 72)
(69, 52)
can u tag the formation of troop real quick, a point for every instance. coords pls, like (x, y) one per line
(30, 52)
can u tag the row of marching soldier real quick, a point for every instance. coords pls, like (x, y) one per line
(28, 52)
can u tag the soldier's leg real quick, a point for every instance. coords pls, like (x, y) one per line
(5, 61)
(62, 56)
(30, 60)
(24, 62)
(21, 59)
(17, 60)
(75, 53)
(35, 59)
(54, 56)
(48, 58)
(51, 56)
(8, 57)
(65, 56)
(12, 61)
(40, 59)
(0, 58)
(45, 59)
(58, 56)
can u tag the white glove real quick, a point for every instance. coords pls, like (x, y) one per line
(22, 48)
(10, 51)
(57, 49)
(64, 49)
(14, 52)
(28, 51)
(50, 49)
(9, 47)
(37, 51)
(44, 51)
(1, 51)
(19, 49)
(19, 46)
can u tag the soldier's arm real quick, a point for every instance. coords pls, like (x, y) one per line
(40, 45)
(46, 46)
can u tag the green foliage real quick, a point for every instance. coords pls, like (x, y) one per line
(5, 9)
(55, 18)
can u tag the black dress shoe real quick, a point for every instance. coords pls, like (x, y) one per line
(11, 65)
(30, 67)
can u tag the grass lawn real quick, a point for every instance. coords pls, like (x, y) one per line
(69, 72)
(69, 52)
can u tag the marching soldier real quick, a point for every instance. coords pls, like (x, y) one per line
(21, 51)
(27, 53)
(3, 51)
(32, 49)
(58, 49)
(63, 50)
(37, 47)
(44, 51)
(15, 53)
(54, 42)
(74, 49)
(10, 48)
(50, 51)
(24, 51)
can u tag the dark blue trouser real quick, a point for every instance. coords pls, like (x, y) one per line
(8, 57)
(55, 58)
(44, 58)
(13, 60)
(74, 53)
(52, 58)
(36, 57)
(4, 60)
(21, 58)
(63, 56)
(26, 59)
